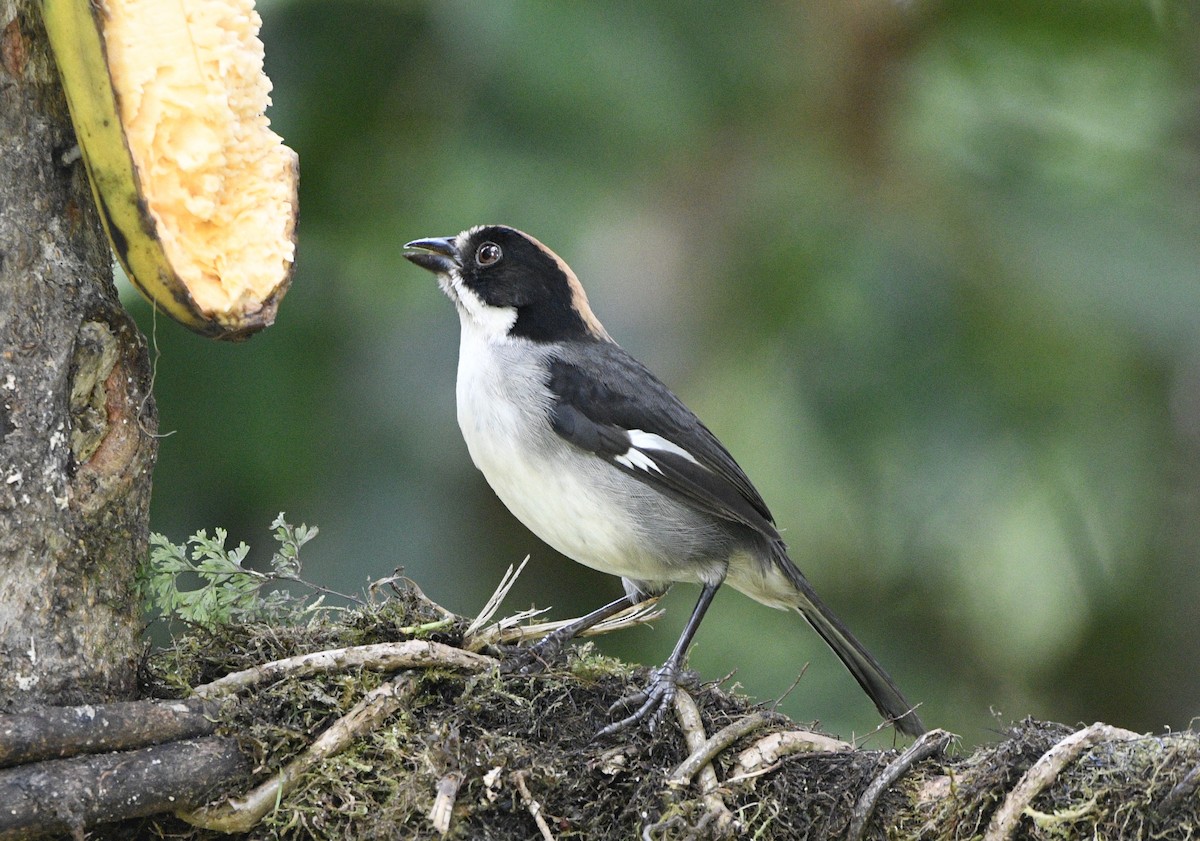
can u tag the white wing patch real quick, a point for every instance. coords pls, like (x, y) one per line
(637, 460)
(637, 457)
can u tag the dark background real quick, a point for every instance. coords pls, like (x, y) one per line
(931, 271)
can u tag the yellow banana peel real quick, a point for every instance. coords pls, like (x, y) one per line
(197, 194)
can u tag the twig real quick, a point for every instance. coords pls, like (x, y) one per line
(1181, 790)
(930, 744)
(790, 689)
(56, 732)
(318, 588)
(709, 748)
(65, 796)
(532, 805)
(773, 747)
(242, 813)
(692, 725)
(1042, 773)
(883, 726)
(414, 588)
(383, 656)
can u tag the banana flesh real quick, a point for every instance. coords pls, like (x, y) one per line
(197, 195)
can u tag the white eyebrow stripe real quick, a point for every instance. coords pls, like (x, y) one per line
(650, 441)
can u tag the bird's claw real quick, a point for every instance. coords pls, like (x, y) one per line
(652, 703)
(536, 658)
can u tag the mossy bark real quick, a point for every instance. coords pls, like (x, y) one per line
(76, 415)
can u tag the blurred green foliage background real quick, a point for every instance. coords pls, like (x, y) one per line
(931, 271)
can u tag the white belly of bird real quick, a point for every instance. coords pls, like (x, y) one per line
(556, 506)
(556, 490)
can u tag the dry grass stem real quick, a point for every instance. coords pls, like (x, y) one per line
(443, 804)
(535, 808)
(497, 598)
(510, 630)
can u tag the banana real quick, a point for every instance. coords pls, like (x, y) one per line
(197, 195)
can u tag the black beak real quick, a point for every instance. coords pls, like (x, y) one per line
(437, 254)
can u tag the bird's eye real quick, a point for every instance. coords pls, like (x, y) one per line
(488, 253)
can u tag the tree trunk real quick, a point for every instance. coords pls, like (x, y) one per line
(77, 419)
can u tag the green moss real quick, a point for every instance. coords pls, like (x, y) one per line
(491, 729)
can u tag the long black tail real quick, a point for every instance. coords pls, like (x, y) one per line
(860, 662)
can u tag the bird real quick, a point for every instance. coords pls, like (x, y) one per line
(599, 459)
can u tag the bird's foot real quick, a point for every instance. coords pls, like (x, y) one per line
(652, 702)
(536, 658)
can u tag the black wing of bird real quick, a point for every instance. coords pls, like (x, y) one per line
(612, 406)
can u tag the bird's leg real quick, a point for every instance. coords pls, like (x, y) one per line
(548, 647)
(656, 698)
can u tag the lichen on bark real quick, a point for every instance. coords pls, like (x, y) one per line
(77, 419)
